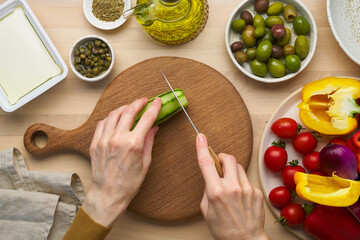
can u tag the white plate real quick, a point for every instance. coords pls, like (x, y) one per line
(344, 17)
(87, 7)
(270, 180)
(5, 9)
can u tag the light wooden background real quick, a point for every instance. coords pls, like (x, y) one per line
(68, 104)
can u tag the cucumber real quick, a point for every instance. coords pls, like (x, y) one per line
(169, 106)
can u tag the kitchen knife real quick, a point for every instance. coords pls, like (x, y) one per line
(217, 162)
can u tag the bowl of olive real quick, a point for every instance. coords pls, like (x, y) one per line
(91, 58)
(271, 41)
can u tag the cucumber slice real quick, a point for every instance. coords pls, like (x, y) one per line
(169, 106)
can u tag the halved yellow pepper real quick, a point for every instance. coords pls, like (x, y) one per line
(331, 191)
(329, 104)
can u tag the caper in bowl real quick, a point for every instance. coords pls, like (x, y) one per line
(91, 58)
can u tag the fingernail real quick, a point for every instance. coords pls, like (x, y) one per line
(201, 137)
(157, 99)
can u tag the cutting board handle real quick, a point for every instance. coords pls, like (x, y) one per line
(57, 139)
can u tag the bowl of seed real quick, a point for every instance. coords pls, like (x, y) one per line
(105, 14)
(91, 58)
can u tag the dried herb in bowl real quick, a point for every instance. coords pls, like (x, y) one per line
(107, 10)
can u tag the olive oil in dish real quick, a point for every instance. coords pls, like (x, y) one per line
(27, 64)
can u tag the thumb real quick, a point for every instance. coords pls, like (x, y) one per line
(148, 146)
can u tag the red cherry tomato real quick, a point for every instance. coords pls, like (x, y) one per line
(287, 175)
(311, 161)
(280, 196)
(304, 143)
(339, 141)
(285, 128)
(292, 214)
(319, 173)
(275, 158)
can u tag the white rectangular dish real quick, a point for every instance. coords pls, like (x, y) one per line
(6, 9)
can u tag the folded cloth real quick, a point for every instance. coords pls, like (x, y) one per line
(35, 205)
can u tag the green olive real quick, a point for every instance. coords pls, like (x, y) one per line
(289, 13)
(100, 62)
(108, 59)
(286, 39)
(240, 57)
(248, 36)
(258, 68)
(272, 20)
(78, 68)
(96, 59)
(259, 32)
(77, 53)
(101, 51)
(103, 45)
(301, 26)
(107, 65)
(264, 50)
(288, 50)
(82, 50)
(82, 56)
(258, 21)
(275, 9)
(238, 25)
(301, 46)
(251, 53)
(87, 52)
(276, 68)
(92, 64)
(268, 36)
(292, 63)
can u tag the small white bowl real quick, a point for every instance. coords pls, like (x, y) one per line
(231, 36)
(344, 19)
(87, 7)
(72, 57)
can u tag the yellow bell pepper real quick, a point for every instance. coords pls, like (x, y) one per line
(330, 191)
(329, 104)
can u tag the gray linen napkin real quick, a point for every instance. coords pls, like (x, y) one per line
(35, 205)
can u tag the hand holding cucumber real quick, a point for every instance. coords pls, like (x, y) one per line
(232, 207)
(120, 159)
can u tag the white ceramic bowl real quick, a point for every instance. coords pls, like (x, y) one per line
(87, 7)
(72, 57)
(231, 36)
(344, 19)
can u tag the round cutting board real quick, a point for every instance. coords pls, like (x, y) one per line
(174, 186)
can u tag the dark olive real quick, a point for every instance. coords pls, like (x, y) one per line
(288, 50)
(278, 31)
(261, 5)
(236, 46)
(240, 57)
(246, 15)
(277, 52)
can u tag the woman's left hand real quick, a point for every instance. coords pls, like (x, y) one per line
(120, 159)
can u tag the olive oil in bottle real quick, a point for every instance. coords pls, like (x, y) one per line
(170, 21)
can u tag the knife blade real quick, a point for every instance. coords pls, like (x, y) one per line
(213, 155)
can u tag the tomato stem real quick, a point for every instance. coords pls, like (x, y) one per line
(316, 135)
(279, 143)
(294, 163)
(299, 128)
(308, 208)
(281, 220)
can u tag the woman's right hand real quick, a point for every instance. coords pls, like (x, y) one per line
(232, 207)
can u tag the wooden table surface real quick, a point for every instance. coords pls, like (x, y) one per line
(69, 104)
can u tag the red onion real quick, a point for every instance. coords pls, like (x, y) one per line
(338, 158)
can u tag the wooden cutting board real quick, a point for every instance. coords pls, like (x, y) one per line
(174, 186)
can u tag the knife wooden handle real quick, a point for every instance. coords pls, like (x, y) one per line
(217, 162)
